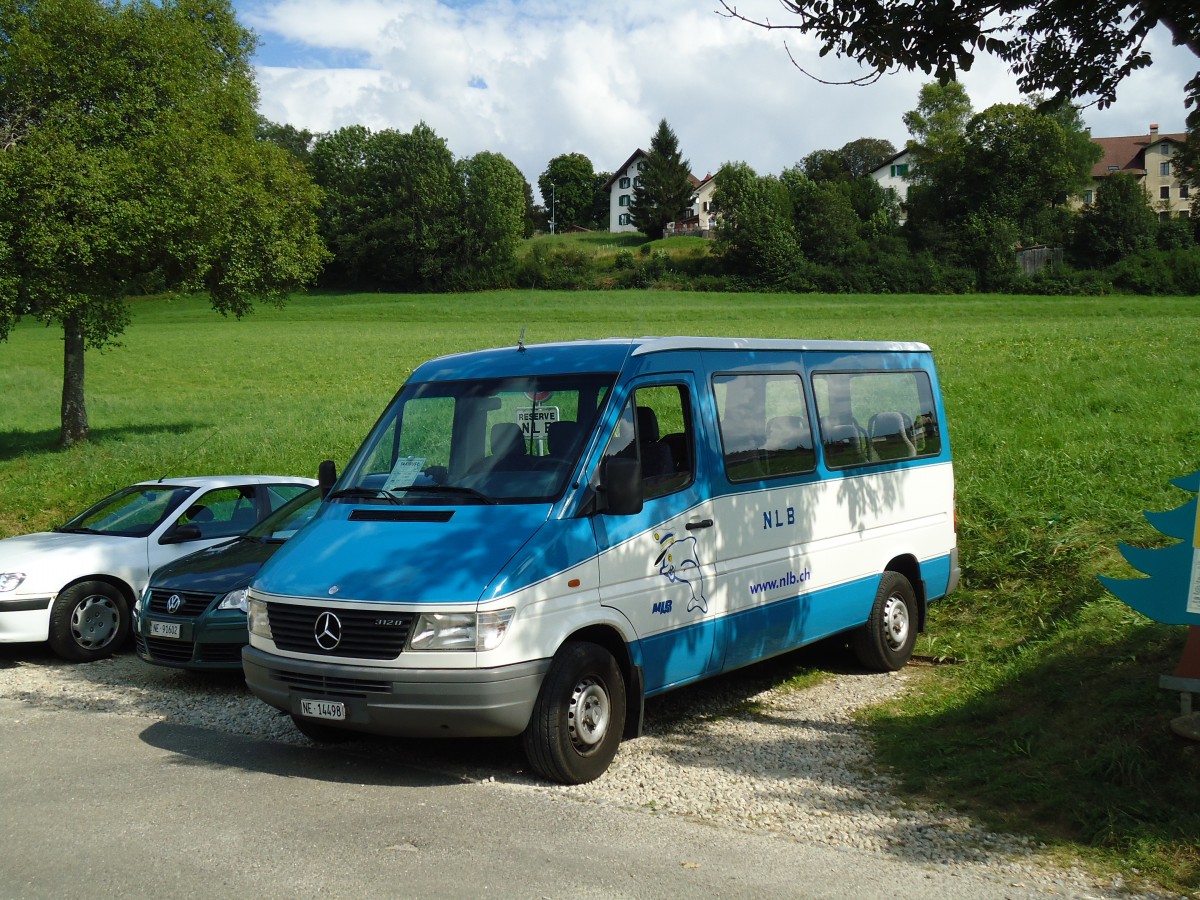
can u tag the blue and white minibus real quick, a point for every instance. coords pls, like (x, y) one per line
(534, 539)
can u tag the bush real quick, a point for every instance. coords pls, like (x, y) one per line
(623, 259)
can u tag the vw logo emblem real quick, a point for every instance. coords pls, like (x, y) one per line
(327, 631)
(174, 602)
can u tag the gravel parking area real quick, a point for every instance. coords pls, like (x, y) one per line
(733, 752)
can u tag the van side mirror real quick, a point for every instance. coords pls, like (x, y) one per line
(620, 492)
(326, 476)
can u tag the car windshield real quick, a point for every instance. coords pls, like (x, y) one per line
(289, 518)
(131, 512)
(510, 440)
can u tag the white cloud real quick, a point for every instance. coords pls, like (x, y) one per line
(535, 78)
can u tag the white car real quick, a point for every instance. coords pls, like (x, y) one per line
(75, 586)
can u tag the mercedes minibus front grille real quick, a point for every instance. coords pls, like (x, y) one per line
(359, 633)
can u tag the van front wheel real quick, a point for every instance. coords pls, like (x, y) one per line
(579, 715)
(886, 642)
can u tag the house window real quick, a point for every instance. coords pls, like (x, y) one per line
(623, 200)
(1184, 214)
(1164, 217)
(623, 184)
(637, 182)
(704, 206)
(1088, 198)
(1164, 192)
(1114, 168)
(641, 165)
(1184, 192)
(623, 219)
(1164, 169)
(1164, 148)
(900, 170)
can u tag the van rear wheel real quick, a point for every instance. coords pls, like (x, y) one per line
(886, 642)
(579, 715)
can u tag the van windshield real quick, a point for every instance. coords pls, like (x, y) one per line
(505, 440)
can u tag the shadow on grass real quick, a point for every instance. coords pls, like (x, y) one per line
(20, 443)
(1075, 747)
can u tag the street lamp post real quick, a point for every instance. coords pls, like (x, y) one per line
(552, 204)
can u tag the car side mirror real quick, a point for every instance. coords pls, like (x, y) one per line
(326, 476)
(620, 491)
(180, 534)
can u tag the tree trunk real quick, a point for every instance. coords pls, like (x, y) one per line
(74, 411)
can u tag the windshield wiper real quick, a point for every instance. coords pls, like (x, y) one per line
(369, 493)
(447, 489)
(62, 529)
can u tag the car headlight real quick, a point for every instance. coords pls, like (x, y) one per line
(256, 619)
(235, 600)
(10, 581)
(460, 631)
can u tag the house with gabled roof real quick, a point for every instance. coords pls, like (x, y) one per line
(1151, 158)
(698, 218)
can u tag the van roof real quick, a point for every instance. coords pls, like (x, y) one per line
(609, 354)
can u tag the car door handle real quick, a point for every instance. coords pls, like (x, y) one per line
(702, 523)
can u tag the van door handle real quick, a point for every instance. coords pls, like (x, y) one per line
(703, 523)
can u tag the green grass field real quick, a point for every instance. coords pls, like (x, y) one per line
(1068, 416)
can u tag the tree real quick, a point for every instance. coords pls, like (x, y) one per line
(863, 156)
(1120, 222)
(1017, 163)
(570, 183)
(936, 146)
(665, 189)
(127, 152)
(936, 128)
(296, 141)
(754, 231)
(494, 216)
(822, 215)
(338, 162)
(1069, 49)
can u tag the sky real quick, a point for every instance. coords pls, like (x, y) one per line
(533, 79)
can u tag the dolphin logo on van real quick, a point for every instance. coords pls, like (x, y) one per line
(679, 562)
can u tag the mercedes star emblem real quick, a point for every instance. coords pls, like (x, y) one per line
(327, 630)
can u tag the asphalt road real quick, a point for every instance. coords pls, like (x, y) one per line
(103, 805)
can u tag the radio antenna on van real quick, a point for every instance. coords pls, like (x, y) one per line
(521, 341)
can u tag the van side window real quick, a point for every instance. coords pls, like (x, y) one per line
(875, 417)
(656, 428)
(764, 423)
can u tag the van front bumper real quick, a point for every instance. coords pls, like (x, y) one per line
(402, 702)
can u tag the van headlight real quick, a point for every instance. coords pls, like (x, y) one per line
(460, 631)
(235, 600)
(257, 620)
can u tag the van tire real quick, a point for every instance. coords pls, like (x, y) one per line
(579, 715)
(89, 621)
(886, 642)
